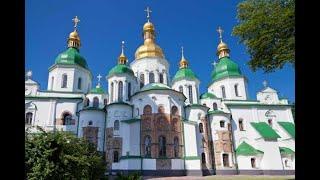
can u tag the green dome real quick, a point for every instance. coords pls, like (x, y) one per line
(97, 90)
(225, 68)
(71, 56)
(184, 73)
(155, 86)
(119, 69)
(208, 95)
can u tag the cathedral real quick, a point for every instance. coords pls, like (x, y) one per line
(150, 123)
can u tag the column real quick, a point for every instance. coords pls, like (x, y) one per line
(156, 76)
(125, 90)
(165, 79)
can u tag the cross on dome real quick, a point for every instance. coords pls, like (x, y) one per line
(75, 20)
(29, 74)
(265, 83)
(182, 52)
(220, 31)
(99, 77)
(122, 47)
(148, 10)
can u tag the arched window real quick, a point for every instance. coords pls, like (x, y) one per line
(161, 78)
(286, 163)
(203, 158)
(95, 102)
(215, 106)
(151, 77)
(147, 109)
(90, 123)
(270, 122)
(241, 125)
(129, 90)
(115, 156)
(160, 109)
(180, 89)
(120, 91)
(147, 146)
(141, 80)
(116, 125)
(174, 110)
(162, 146)
(64, 81)
(66, 119)
(225, 158)
(229, 127)
(86, 102)
(79, 83)
(236, 90)
(200, 127)
(190, 94)
(223, 92)
(204, 104)
(137, 110)
(176, 146)
(105, 101)
(28, 120)
(222, 124)
(52, 81)
(111, 94)
(253, 162)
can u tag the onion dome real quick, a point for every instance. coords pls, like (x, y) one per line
(184, 72)
(225, 68)
(122, 66)
(72, 55)
(208, 95)
(149, 47)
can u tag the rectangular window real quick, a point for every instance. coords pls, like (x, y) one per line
(225, 158)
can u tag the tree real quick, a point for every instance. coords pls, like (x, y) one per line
(267, 28)
(61, 155)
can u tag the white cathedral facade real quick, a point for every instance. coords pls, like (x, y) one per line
(147, 122)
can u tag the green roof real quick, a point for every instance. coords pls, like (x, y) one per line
(155, 86)
(246, 149)
(71, 57)
(225, 68)
(207, 95)
(289, 127)
(97, 90)
(184, 73)
(120, 69)
(265, 130)
(284, 150)
(216, 112)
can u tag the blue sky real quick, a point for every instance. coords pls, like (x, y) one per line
(104, 24)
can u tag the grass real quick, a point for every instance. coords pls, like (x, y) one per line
(244, 177)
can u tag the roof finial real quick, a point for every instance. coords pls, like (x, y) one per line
(122, 47)
(75, 20)
(29, 74)
(220, 31)
(148, 10)
(265, 83)
(182, 53)
(122, 59)
(99, 77)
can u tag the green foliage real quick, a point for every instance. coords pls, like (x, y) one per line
(267, 28)
(133, 176)
(61, 155)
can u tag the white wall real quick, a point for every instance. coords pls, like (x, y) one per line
(229, 83)
(185, 85)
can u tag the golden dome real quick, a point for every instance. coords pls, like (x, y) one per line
(222, 47)
(149, 47)
(148, 27)
(74, 35)
(183, 61)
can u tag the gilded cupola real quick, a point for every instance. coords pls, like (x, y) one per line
(183, 61)
(74, 39)
(149, 47)
(122, 59)
(222, 49)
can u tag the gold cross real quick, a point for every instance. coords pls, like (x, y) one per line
(148, 13)
(122, 46)
(182, 54)
(76, 20)
(220, 31)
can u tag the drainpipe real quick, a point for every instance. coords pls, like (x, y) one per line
(233, 145)
(78, 115)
